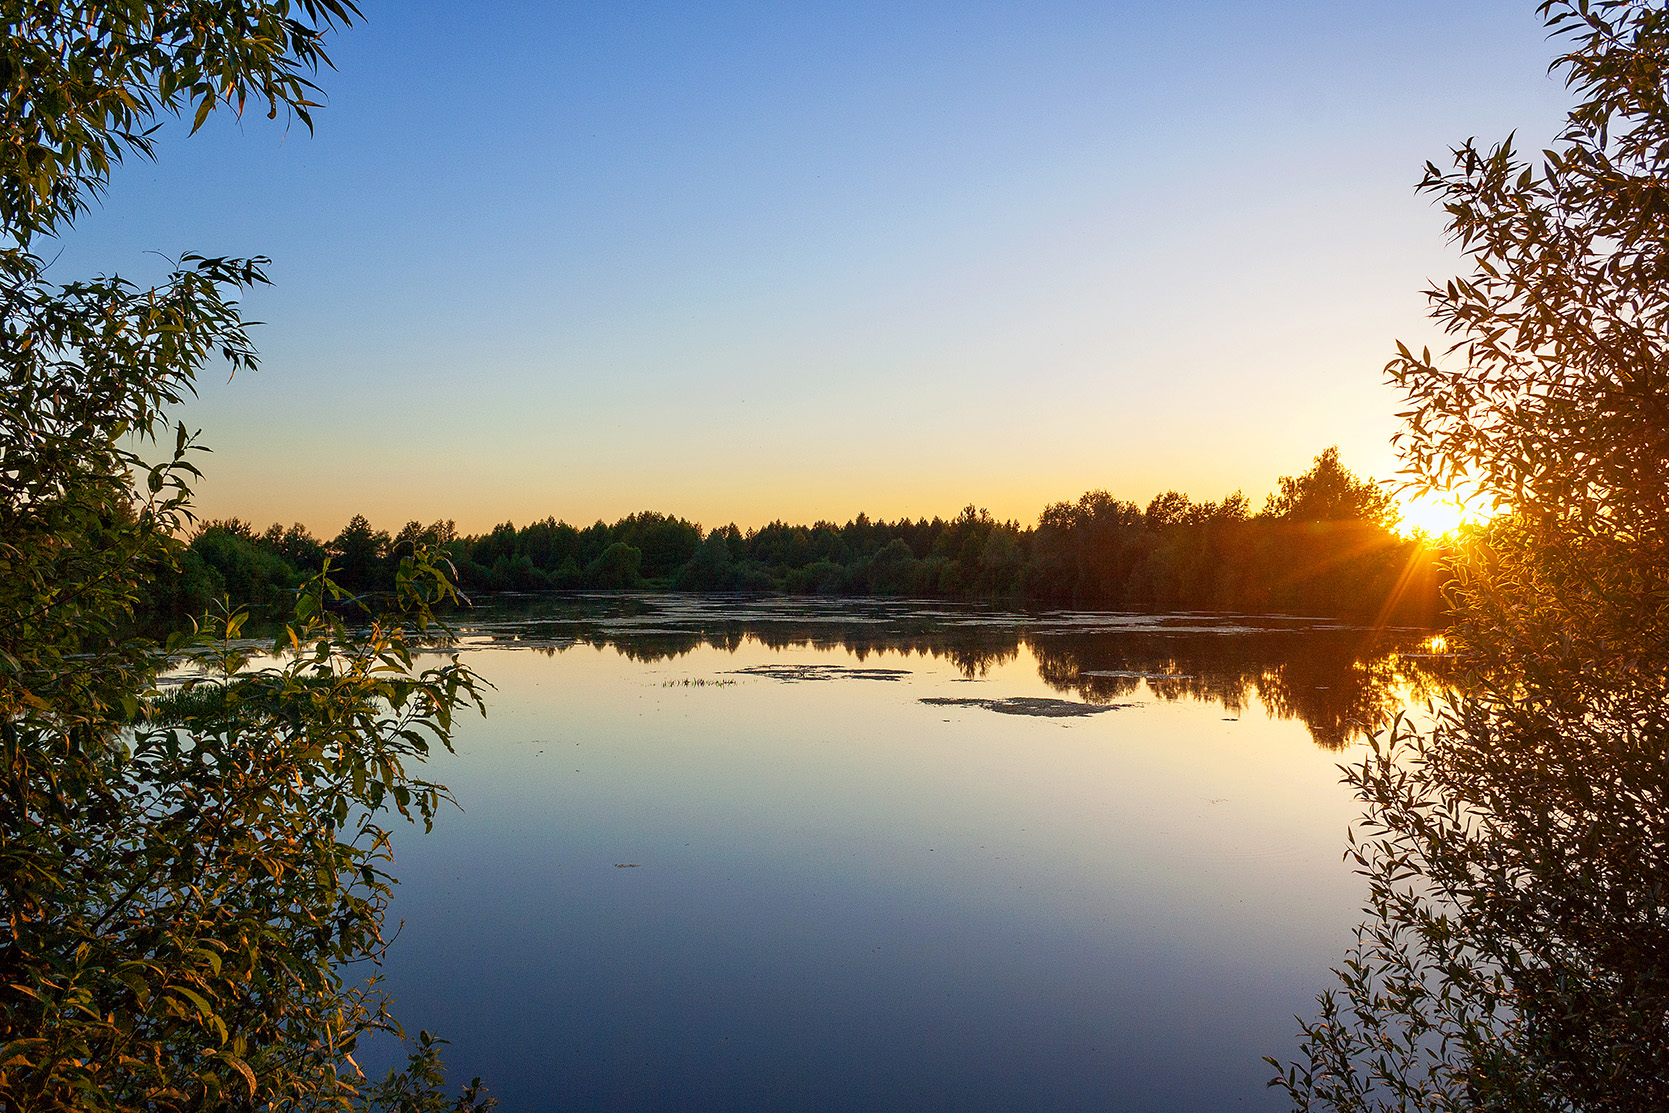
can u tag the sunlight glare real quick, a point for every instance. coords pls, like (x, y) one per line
(1435, 516)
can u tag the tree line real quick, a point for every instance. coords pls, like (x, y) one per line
(1324, 544)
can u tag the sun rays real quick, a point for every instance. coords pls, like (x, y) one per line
(1435, 515)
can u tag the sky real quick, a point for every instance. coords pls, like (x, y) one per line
(741, 262)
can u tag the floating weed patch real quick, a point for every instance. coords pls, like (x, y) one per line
(1038, 706)
(822, 672)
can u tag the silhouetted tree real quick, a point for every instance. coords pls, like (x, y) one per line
(359, 555)
(1517, 955)
(1329, 492)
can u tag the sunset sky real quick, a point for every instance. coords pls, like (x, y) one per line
(741, 262)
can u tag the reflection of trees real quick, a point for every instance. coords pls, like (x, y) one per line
(649, 648)
(1340, 697)
(1101, 669)
(1338, 683)
(971, 658)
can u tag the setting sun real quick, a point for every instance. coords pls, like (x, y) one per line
(1436, 516)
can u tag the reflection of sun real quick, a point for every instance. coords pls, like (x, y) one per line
(1435, 516)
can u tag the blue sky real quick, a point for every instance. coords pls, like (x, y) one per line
(748, 261)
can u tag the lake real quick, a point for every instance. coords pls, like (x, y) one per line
(804, 854)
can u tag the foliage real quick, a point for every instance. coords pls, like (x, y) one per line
(421, 1087)
(1556, 402)
(187, 885)
(189, 896)
(1516, 954)
(360, 554)
(84, 82)
(1314, 553)
(81, 367)
(1329, 493)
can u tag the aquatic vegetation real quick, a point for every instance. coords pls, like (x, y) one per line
(822, 672)
(1040, 706)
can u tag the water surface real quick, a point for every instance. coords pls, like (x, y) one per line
(818, 855)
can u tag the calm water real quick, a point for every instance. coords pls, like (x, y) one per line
(825, 856)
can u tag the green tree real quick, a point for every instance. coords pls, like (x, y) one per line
(1517, 952)
(711, 567)
(1329, 492)
(245, 568)
(1169, 509)
(617, 567)
(360, 555)
(295, 546)
(186, 882)
(1551, 399)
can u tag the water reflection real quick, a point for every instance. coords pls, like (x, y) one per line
(1340, 681)
(810, 855)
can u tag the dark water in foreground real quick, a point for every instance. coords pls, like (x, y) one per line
(816, 855)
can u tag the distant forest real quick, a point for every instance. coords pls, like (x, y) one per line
(1325, 544)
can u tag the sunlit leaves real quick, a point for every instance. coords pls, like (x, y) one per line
(189, 884)
(81, 85)
(1553, 398)
(206, 934)
(1514, 954)
(102, 360)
